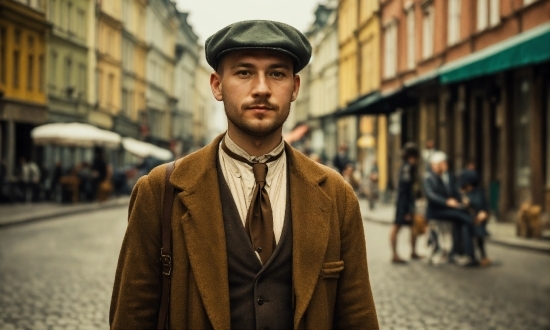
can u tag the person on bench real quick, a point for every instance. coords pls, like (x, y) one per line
(443, 204)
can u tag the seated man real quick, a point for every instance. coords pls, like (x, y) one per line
(443, 202)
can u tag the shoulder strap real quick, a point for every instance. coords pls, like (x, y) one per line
(166, 250)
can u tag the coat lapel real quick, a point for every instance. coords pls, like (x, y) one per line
(203, 229)
(310, 227)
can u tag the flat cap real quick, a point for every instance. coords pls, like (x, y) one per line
(259, 34)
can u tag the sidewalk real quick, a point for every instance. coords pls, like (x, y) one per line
(15, 214)
(501, 233)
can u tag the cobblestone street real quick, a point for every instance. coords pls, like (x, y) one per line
(58, 274)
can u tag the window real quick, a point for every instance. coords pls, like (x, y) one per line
(110, 89)
(68, 73)
(81, 24)
(428, 31)
(69, 15)
(410, 38)
(30, 71)
(52, 9)
(125, 105)
(53, 68)
(41, 73)
(17, 37)
(390, 49)
(3, 54)
(488, 13)
(16, 69)
(494, 12)
(99, 82)
(453, 31)
(82, 78)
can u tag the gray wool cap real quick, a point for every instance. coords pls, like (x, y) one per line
(259, 34)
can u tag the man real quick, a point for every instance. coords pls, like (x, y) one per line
(283, 250)
(404, 211)
(341, 159)
(444, 204)
(427, 153)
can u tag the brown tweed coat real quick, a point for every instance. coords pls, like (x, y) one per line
(330, 274)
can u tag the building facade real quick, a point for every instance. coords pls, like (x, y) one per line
(323, 82)
(188, 54)
(473, 76)
(133, 81)
(162, 27)
(23, 100)
(109, 64)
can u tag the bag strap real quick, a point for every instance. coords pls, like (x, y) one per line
(166, 250)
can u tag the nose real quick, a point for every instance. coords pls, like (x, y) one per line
(261, 87)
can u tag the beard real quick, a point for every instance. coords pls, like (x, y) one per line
(262, 127)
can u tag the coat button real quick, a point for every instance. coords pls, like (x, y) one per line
(260, 301)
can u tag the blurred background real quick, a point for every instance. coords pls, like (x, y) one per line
(95, 93)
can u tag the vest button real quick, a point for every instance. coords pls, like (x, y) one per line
(259, 249)
(260, 301)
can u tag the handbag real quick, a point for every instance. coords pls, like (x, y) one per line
(166, 250)
(419, 225)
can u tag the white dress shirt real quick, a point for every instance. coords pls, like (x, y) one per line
(241, 182)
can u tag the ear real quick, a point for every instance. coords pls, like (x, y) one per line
(296, 87)
(216, 85)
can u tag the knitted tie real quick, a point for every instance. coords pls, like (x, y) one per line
(259, 219)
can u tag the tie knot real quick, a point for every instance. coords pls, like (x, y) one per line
(260, 171)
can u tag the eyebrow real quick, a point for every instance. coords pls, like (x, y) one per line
(250, 65)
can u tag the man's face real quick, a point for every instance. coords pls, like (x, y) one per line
(257, 88)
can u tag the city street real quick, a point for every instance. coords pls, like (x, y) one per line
(58, 274)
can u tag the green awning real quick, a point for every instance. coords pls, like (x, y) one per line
(527, 48)
(360, 105)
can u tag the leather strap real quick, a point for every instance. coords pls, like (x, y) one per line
(166, 250)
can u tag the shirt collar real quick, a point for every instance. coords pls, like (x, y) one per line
(239, 151)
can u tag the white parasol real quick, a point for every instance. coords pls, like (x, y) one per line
(75, 135)
(144, 149)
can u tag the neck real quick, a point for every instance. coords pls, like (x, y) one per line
(255, 146)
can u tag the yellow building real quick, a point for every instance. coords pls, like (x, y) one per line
(109, 69)
(373, 128)
(133, 80)
(23, 30)
(348, 22)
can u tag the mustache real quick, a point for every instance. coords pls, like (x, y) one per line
(262, 103)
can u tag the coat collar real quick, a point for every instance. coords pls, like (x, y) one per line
(196, 177)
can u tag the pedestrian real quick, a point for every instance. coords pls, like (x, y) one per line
(99, 171)
(473, 197)
(372, 185)
(55, 186)
(404, 211)
(444, 204)
(350, 177)
(427, 153)
(30, 178)
(341, 159)
(251, 251)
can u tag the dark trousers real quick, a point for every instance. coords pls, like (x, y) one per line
(462, 229)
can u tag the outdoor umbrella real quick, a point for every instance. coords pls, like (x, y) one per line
(144, 149)
(75, 135)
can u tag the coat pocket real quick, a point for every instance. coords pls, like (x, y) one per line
(332, 269)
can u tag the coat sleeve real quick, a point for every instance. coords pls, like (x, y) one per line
(354, 302)
(136, 294)
(431, 194)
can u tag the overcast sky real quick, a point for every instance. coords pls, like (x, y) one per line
(209, 16)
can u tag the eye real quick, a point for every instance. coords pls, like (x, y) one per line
(277, 74)
(243, 73)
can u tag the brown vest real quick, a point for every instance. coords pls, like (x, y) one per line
(260, 296)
